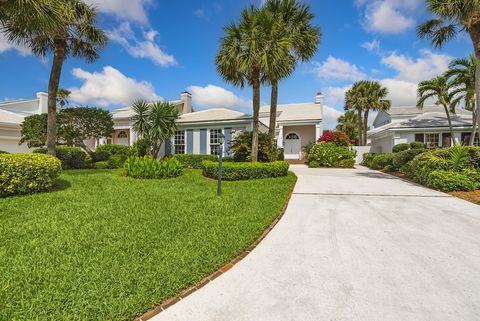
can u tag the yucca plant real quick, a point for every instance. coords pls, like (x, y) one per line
(148, 168)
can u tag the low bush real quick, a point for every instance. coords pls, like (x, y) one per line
(3, 152)
(450, 181)
(101, 165)
(99, 156)
(195, 161)
(112, 149)
(367, 159)
(423, 164)
(116, 161)
(380, 161)
(402, 158)
(241, 147)
(27, 173)
(280, 154)
(418, 145)
(330, 155)
(244, 171)
(148, 168)
(141, 147)
(389, 169)
(400, 148)
(346, 163)
(71, 157)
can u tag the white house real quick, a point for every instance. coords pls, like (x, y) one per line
(429, 125)
(12, 114)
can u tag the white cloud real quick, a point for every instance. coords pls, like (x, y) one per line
(200, 13)
(388, 16)
(373, 45)
(213, 96)
(110, 87)
(427, 66)
(145, 48)
(336, 95)
(330, 116)
(335, 68)
(5, 46)
(132, 10)
(400, 92)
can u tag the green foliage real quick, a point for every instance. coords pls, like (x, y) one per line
(306, 149)
(367, 159)
(71, 157)
(3, 152)
(418, 145)
(450, 181)
(99, 156)
(101, 165)
(116, 161)
(112, 149)
(349, 123)
(423, 164)
(400, 148)
(330, 155)
(34, 130)
(389, 169)
(27, 173)
(148, 168)
(141, 147)
(380, 161)
(244, 171)
(402, 158)
(280, 154)
(195, 161)
(241, 147)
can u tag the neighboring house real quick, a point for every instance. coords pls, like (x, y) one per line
(12, 114)
(429, 125)
(198, 132)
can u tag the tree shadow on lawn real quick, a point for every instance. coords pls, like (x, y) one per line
(60, 185)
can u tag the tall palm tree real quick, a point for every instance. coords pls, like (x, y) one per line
(366, 95)
(348, 123)
(304, 39)
(251, 51)
(62, 96)
(64, 28)
(452, 18)
(440, 89)
(462, 75)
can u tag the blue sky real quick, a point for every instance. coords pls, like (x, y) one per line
(158, 48)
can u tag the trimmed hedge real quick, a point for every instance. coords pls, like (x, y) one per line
(331, 155)
(418, 145)
(101, 165)
(148, 168)
(400, 148)
(27, 173)
(449, 181)
(367, 159)
(194, 161)
(112, 149)
(380, 161)
(402, 158)
(3, 152)
(71, 157)
(244, 171)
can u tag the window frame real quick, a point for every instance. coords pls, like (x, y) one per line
(180, 140)
(427, 143)
(213, 140)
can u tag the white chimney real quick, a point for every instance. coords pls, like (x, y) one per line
(319, 98)
(186, 97)
(42, 102)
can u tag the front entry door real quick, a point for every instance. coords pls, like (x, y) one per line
(293, 146)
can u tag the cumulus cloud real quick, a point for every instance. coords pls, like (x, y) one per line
(335, 68)
(132, 10)
(212, 96)
(110, 87)
(373, 45)
(400, 92)
(141, 48)
(5, 46)
(330, 116)
(336, 95)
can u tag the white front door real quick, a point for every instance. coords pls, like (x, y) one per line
(293, 146)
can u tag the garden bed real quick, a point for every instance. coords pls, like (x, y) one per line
(104, 247)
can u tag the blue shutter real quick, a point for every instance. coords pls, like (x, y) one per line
(168, 147)
(189, 141)
(228, 139)
(203, 141)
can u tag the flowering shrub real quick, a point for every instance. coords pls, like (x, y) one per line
(329, 154)
(339, 138)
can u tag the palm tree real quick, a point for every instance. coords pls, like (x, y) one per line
(366, 95)
(62, 96)
(251, 51)
(65, 28)
(453, 17)
(348, 123)
(155, 122)
(304, 40)
(440, 89)
(462, 75)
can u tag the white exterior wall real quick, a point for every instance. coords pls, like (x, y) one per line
(382, 145)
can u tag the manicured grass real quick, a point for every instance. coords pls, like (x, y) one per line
(105, 247)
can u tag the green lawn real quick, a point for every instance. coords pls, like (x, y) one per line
(105, 247)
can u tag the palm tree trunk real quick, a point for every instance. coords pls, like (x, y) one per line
(360, 128)
(53, 83)
(475, 36)
(256, 110)
(273, 110)
(365, 126)
(474, 126)
(449, 124)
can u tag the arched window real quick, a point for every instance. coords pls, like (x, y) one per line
(122, 134)
(292, 136)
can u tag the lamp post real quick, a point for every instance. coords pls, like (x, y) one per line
(221, 139)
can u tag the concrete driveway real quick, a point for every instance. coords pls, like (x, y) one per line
(353, 245)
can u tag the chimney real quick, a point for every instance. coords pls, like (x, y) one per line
(319, 98)
(42, 102)
(186, 98)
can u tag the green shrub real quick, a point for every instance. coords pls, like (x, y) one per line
(346, 163)
(99, 156)
(71, 157)
(280, 154)
(400, 147)
(141, 147)
(402, 158)
(101, 165)
(474, 156)
(423, 164)
(241, 147)
(112, 149)
(367, 159)
(330, 155)
(244, 171)
(389, 169)
(3, 152)
(194, 161)
(27, 173)
(116, 161)
(450, 181)
(306, 149)
(148, 168)
(380, 161)
(418, 145)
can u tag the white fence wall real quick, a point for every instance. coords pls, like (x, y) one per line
(360, 151)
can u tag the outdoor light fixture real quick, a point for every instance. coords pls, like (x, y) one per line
(221, 140)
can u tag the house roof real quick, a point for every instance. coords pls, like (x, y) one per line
(413, 110)
(8, 117)
(127, 112)
(214, 114)
(293, 112)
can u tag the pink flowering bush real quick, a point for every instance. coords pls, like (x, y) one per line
(339, 138)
